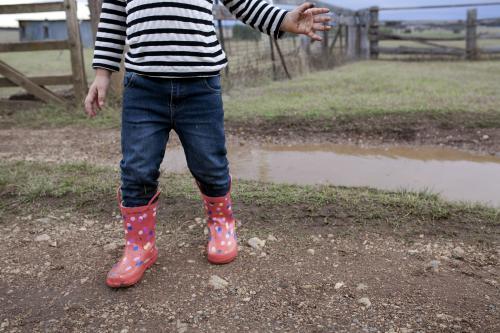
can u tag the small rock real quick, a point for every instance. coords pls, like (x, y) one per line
(256, 243)
(365, 301)
(413, 251)
(88, 223)
(217, 282)
(198, 219)
(4, 324)
(311, 251)
(361, 287)
(82, 281)
(339, 285)
(271, 238)
(485, 137)
(433, 265)
(42, 238)
(43, 220)
(330, 236)
(263, 254)
(53, 244)
(205, 231)
(110, 247)
(246, 299)
(181, 327)
(191, 261)
(316, 239)
(458, 253)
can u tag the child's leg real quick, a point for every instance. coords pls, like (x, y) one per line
(199, 122)
(146, 123)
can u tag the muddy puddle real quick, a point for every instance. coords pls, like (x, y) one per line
(455, 175)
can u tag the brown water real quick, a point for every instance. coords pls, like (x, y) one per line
(455, 175)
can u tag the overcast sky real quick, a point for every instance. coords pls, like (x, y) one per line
(433, 14)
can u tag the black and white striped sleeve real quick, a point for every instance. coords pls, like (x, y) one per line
(111, 35)
(258, 14)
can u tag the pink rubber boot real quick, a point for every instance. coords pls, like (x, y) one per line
(140, 251)
(222, 245)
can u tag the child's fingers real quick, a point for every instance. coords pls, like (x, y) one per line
(90, 101)
(322, 19)
(101, 96)
(321, 27)
(314, 36)
(317, 11)
(304, 7)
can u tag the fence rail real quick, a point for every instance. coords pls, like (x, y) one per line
(36, 85)
(433, 46)
(32, 8)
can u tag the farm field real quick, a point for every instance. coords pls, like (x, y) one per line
(336, 258)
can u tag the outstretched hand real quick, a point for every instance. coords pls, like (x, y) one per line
(306, 20)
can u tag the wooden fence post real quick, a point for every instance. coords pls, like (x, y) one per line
(471, 51)
(352, 38)
(374, 32)
(273, 58)
(364, 38)
(76, 51)
(95, 11)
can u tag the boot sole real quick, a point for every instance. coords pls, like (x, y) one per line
(125, 284)
(218, 260)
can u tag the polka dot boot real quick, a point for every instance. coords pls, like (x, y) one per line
(222, 245)
(140, 251)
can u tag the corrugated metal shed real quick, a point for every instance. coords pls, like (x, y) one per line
(36, 30)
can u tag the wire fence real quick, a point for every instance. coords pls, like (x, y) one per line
(254, 56)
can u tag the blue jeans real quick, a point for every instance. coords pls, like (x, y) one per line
(152, 107)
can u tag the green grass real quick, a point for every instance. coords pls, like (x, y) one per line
(51, 116)
(358, 89)
(375, 87)
(43, 63)
(23, 183)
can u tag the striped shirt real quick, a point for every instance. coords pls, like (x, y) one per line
(173, 38)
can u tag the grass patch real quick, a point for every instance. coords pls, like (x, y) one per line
(22, 183)
(438, 89)
(379, 87)
(53, 116)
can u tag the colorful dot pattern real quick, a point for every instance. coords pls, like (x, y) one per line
(140, 229)
(221, 225)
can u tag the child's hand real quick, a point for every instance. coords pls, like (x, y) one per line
(97, 92)
(306, 20)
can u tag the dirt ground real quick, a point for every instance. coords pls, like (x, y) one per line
(322, 272)
(463, 130)
(102, 146)
(479, 132)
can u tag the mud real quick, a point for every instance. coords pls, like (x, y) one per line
(451, 173)
(478, 132)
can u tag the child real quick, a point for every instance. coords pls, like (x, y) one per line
(172, 82)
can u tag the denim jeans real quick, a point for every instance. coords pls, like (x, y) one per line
(152, 107)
